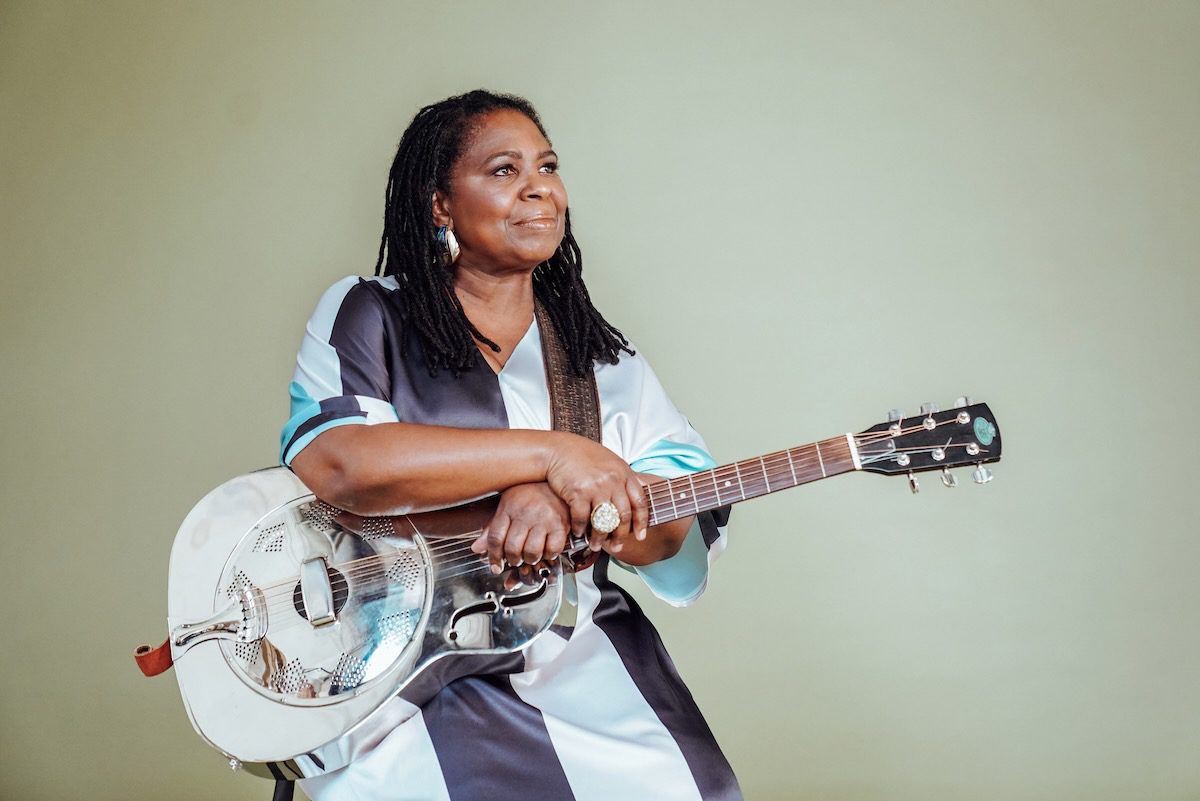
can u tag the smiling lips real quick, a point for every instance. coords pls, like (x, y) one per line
(540, 221)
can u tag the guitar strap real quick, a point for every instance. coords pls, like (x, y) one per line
(574, 403)
(574, 400)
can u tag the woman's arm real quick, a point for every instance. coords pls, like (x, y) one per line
(394, 468)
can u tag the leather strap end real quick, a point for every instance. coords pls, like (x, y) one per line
(153, 661)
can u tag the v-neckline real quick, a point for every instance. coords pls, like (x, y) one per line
(533, 327)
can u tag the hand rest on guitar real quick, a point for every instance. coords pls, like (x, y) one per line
(292, 621)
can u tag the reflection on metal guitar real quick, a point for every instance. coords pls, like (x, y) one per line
(290, 621)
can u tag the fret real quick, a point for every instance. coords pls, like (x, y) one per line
(820, 461)
(713, 475)
(653, 504)
(737, 469)
(695, 500)
(792, 467)
(766, 478)
(674, 508)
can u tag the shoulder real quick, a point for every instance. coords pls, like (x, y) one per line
(358, 289)
(632, 372)
(352, 297)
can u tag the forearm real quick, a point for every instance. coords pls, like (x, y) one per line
(662, 542)
(392, 468)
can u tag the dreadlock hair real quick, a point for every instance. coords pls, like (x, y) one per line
(409, 250)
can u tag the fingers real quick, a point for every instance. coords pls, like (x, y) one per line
(581, 515)
(491, 542)
(529, 550)
(530, 526)
(641, 512)
(556, 542)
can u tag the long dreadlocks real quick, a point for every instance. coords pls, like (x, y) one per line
(409, 250)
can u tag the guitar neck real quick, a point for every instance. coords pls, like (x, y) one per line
(671, 499)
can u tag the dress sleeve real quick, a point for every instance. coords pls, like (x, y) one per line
(341, 375)
(661, 441)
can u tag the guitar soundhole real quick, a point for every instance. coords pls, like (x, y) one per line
(341, 592)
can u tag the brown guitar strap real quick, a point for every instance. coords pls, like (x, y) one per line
(574, 400)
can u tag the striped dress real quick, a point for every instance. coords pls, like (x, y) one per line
(596, 712)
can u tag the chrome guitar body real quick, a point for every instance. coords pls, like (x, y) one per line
(291, 622)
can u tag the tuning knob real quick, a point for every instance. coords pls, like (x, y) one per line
(913, 484)
(948, 479)
(981, 475)
(895, 414)
(961, 402)
(928, 408)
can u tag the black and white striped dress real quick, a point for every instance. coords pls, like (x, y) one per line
(594, 713)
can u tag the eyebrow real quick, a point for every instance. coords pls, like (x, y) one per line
(513, 154)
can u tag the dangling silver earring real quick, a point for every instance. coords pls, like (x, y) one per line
(448, 245)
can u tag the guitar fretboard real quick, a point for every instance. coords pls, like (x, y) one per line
(671, 499)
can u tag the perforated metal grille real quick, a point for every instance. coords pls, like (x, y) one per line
(240, 583)
(320, 515)
(405, 570)
(247, 651)
(349, 671)
(398, 628)
(374, 527)
(270, 539)
(289, 679)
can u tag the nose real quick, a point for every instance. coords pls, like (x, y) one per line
(537, 187)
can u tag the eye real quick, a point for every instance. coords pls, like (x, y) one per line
(550, 167)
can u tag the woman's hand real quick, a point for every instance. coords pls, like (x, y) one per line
(530, 526)
(585, 474)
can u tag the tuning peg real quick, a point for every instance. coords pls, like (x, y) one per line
(928, 408)
(948, 479)
(981, 475)
(895, 414)
(961, 402)
(913, 484)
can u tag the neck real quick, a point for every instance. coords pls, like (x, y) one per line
(491, 294)
(671, 499)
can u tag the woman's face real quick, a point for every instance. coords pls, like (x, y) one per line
(506, 205)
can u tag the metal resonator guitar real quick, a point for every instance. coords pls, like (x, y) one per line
(291, 622)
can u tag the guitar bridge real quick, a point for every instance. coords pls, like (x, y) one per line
(244, 620)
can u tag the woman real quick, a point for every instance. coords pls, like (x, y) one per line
(425, 387)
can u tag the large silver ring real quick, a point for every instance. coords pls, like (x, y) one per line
(606, 518)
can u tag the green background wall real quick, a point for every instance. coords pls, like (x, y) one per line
(803, 213)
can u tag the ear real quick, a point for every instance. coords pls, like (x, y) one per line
(441, 209)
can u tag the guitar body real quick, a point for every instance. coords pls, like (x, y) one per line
(292, 622)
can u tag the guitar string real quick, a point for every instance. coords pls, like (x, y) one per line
(373, 562)
(369, 564)
(777, 460)
(459, 551)
(700, 497)
(373, 565)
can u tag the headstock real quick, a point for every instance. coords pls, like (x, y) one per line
(933, 440)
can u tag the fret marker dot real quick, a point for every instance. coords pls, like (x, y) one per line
(729, 483)
(683, 495)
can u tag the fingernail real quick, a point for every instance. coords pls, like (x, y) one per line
(641, 535)
(495, 570)
(617, 548)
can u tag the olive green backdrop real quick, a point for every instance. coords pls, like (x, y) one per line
(803, 213)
